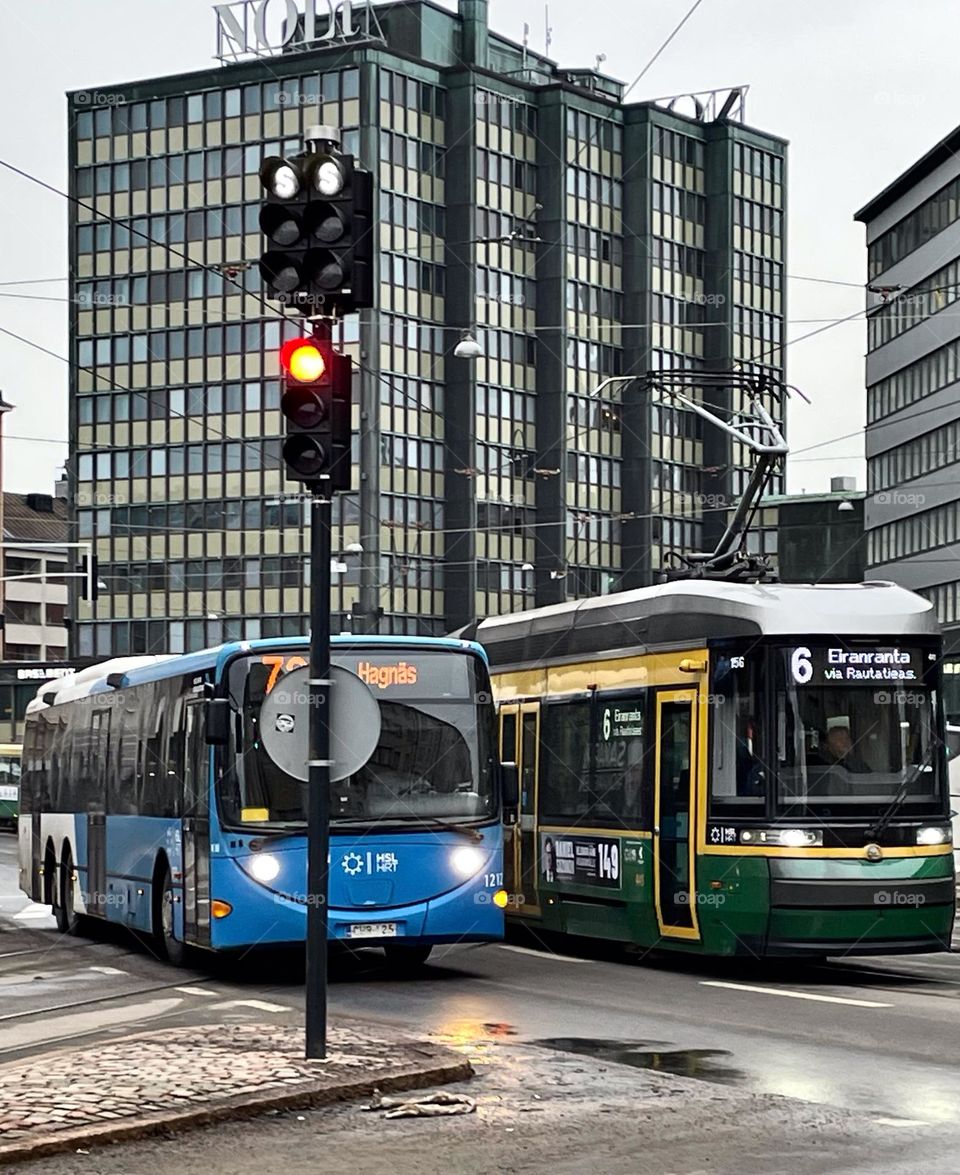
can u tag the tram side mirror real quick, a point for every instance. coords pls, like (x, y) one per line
(510, 791)
(218, 722)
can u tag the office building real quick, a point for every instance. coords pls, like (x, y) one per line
(35, 585)
(912, 514)
(578, 232)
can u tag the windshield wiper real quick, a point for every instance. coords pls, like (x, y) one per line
(878, 828)
(262, 840)
(466, 830)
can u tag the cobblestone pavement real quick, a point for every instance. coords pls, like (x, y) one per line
(157, 1081)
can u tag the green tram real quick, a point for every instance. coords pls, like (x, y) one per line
(729, 768)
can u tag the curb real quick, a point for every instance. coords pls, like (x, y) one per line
(243, 1106)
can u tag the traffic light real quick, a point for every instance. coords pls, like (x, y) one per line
(318, 221)
(316, 401)
(89, 578)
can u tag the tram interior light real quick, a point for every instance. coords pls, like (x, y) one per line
(934, 834)
(466, 860)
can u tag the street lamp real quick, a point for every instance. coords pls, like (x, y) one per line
(468, 347)
(5, 407)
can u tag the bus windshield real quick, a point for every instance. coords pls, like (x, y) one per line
(433, 760)
(855, 729)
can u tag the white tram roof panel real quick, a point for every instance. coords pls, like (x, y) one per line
(871, 608)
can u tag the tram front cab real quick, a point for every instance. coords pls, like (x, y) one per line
(825, 820)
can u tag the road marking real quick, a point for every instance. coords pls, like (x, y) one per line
(34, 910)
(794, 995)
(196, 991)
(107, 970)
(541, 954)
(260, 1005)
(899, 1122)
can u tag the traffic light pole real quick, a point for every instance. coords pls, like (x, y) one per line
(318, 798)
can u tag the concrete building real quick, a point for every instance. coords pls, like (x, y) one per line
(580, 235)
(819, 537)
(35, 585)
(912, 514)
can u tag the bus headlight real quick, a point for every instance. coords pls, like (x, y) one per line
(466, 860)
(264, 867)
(934, 834)
(787, 838)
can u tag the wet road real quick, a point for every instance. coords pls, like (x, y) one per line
(879, 1036)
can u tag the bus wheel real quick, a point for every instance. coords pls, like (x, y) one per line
(68, 920)
(405, 958)
(171, 948)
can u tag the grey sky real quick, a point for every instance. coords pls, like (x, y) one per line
(859, 88)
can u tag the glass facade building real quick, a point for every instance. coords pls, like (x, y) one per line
(912, 514)
(580, 236)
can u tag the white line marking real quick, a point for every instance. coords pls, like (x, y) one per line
(541, 954)
(196, 991)
(794, 995)
(108, 970)
(899, 1122)
(260, 1005)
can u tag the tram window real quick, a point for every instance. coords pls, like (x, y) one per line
(737, 772)
(565, 761)
(620, 776)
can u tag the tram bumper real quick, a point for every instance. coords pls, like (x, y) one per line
(859, 907)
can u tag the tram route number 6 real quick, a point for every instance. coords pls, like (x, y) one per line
(608, 860)
(801, 666)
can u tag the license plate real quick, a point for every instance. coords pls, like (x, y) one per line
(372, 930)
(8, 793)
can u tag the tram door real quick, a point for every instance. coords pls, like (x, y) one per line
(520, 742)
(196, 827)
(674, 814)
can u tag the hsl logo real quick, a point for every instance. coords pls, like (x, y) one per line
(262, 27)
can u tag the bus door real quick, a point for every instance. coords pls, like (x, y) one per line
(520, 741)
(195, 814)
(99, 768)
(674, 877)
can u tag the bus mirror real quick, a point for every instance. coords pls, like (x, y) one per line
(218, 722)
(509, 787)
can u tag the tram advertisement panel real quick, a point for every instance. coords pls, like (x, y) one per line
(586, 860)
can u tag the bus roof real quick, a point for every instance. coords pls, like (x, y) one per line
(131, 671)
(689, 612)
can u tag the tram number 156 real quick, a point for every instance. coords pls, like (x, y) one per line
(608, 862)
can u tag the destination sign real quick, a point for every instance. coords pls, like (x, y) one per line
(433, 676)
(839, 665)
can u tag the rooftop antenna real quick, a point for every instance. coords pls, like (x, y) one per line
(601, 58)
(549, 30)
(526, 43)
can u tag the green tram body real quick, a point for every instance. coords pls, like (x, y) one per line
(713, 767)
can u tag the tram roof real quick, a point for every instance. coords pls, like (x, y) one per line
(689, 612)
(133, 671)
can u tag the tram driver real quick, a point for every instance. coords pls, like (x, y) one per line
(838, 749)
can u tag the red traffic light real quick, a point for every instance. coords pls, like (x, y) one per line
(304, 360)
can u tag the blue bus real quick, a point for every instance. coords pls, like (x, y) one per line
(140, 806)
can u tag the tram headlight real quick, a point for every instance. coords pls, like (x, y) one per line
(786, 838)
(466, 860)
(934, 834)
(264, 867)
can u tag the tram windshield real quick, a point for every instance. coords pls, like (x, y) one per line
(855, 730)
(433, 759)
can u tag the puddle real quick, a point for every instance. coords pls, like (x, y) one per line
(703, 1064)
